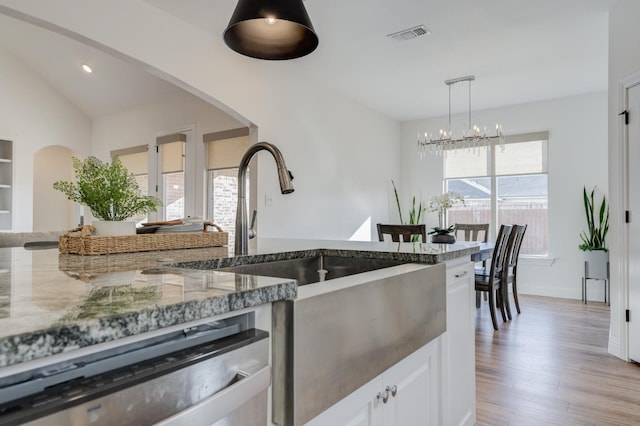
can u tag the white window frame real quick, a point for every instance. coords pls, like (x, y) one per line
(491, 174)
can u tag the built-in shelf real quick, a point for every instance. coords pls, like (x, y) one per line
(6, 185)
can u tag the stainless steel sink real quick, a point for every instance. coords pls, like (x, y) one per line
(315, 269)
(336, 336)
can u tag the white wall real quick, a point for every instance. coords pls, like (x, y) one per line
(141, 126)
(624, 60)
(577, 151)
(51, 208)
(342, 154)
(34, 115)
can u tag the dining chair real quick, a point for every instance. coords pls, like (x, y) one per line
(511, 267)
(402, 233)
(472, 231)
(490, 280)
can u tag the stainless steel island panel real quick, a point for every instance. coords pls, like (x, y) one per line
(328, 345)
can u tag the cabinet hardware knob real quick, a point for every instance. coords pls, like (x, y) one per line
(460, 275)
(384, 396)
(393, 389)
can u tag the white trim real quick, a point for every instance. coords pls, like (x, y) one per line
(537, 260)
(620, 347)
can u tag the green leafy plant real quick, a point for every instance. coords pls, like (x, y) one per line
(597, 226)
(109, 190)
(442, 231)
(415, 212)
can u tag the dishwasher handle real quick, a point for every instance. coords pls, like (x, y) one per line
(224, 402)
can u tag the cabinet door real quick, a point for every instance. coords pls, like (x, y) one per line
(458, 346)
(361, 408)
(416, 384)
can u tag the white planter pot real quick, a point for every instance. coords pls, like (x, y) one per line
(597, 264)
(112, 228)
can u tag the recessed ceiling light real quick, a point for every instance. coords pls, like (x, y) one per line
(87, 68)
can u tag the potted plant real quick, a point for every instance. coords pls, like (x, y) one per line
(440, 204)
(443, 235)
(111, 193)
(415, 212)
(594, 238)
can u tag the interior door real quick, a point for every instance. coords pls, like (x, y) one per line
(633, 106)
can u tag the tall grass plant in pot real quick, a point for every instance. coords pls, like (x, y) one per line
(415, 211)
(593, 246)
(110, 192)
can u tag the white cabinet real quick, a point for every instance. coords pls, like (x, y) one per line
(410, 388)
(458, 346)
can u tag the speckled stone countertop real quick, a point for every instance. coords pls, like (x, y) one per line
(52, 303)
(273, 249)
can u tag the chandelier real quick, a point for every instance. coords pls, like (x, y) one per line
(471, 138)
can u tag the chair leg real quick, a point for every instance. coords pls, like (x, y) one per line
(505, 298)
(500, 304)
(515, 294)
(478, 299)
(492, 309)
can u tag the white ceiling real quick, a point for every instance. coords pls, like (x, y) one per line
(519, 50)
(113, 86)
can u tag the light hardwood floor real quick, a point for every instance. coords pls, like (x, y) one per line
(550, 366)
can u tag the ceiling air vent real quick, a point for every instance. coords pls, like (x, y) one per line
(410, 33)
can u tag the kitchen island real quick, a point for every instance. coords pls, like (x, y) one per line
(53, 305)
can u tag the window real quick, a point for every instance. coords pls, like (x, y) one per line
(171, 149)
(224, 152)
(504, 184)
(136, 160)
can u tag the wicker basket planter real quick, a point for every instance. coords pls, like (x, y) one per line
(80, 241)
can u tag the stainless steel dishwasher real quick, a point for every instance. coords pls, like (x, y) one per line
(215, 373)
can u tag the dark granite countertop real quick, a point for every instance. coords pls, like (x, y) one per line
(272, 249)
(52, 303)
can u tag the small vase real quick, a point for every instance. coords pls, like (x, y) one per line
(104, 228)
(443, 239)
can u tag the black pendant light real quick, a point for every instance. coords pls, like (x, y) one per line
(271, 29)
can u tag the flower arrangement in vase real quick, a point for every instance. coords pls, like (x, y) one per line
(440, 204)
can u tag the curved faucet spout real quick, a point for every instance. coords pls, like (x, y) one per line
(286, 187)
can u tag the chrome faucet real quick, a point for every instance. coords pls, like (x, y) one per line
(286, 187)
